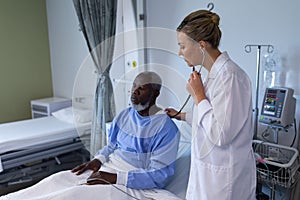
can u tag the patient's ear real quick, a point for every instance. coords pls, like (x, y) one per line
(156, 93)
(153, 97)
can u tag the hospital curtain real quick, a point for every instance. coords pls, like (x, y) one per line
(97, 19)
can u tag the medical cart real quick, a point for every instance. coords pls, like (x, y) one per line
(277, 168)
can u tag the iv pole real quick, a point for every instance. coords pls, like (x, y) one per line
(270, 49)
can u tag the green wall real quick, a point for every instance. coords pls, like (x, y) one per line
(25, 70)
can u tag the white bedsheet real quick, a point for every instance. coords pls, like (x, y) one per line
(25, 133)
(66, 185)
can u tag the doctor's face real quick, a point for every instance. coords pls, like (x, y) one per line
(189, 49)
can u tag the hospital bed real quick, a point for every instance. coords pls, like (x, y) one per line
(35, 148)
(178, 183)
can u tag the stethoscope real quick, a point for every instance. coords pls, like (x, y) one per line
(188, 98)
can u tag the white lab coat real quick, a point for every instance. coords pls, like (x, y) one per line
(222, 160)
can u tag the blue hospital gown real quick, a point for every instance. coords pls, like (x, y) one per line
(149, 143)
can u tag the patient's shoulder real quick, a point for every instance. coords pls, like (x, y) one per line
(166, 123)
(124, 112)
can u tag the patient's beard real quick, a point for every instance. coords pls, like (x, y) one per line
(140, 107)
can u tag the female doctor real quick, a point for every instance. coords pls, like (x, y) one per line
(222, 159)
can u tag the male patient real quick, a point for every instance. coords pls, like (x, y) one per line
(140, 155)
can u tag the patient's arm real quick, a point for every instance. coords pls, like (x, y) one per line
(162, 161)
(162, 166)
(94, 165)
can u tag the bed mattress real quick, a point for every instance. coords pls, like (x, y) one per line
(21, 134)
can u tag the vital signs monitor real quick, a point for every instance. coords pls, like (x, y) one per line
(278, 107)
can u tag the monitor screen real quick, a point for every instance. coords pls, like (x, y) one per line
(273, 102)
(278, 107)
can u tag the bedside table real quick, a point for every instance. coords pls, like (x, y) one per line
(44, 107)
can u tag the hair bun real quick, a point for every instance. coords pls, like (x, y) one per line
(215, 18)
(202, 25)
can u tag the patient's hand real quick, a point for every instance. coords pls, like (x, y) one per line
(91, 165)
(102, 178)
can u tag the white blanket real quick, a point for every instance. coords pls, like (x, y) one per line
(66, 186)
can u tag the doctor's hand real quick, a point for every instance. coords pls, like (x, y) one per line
(102, 178)
(195, 87)
(93, 165)
(172, 112)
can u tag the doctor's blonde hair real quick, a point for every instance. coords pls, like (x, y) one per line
(202, 25)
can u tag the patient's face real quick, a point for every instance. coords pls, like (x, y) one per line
(141, 93)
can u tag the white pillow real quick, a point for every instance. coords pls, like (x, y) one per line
(82, 115)
(73, 115)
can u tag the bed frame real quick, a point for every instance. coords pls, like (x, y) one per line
(21, 168)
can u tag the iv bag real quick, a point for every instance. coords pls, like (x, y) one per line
(274, 74)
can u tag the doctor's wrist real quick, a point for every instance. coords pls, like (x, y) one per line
(199, 98)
